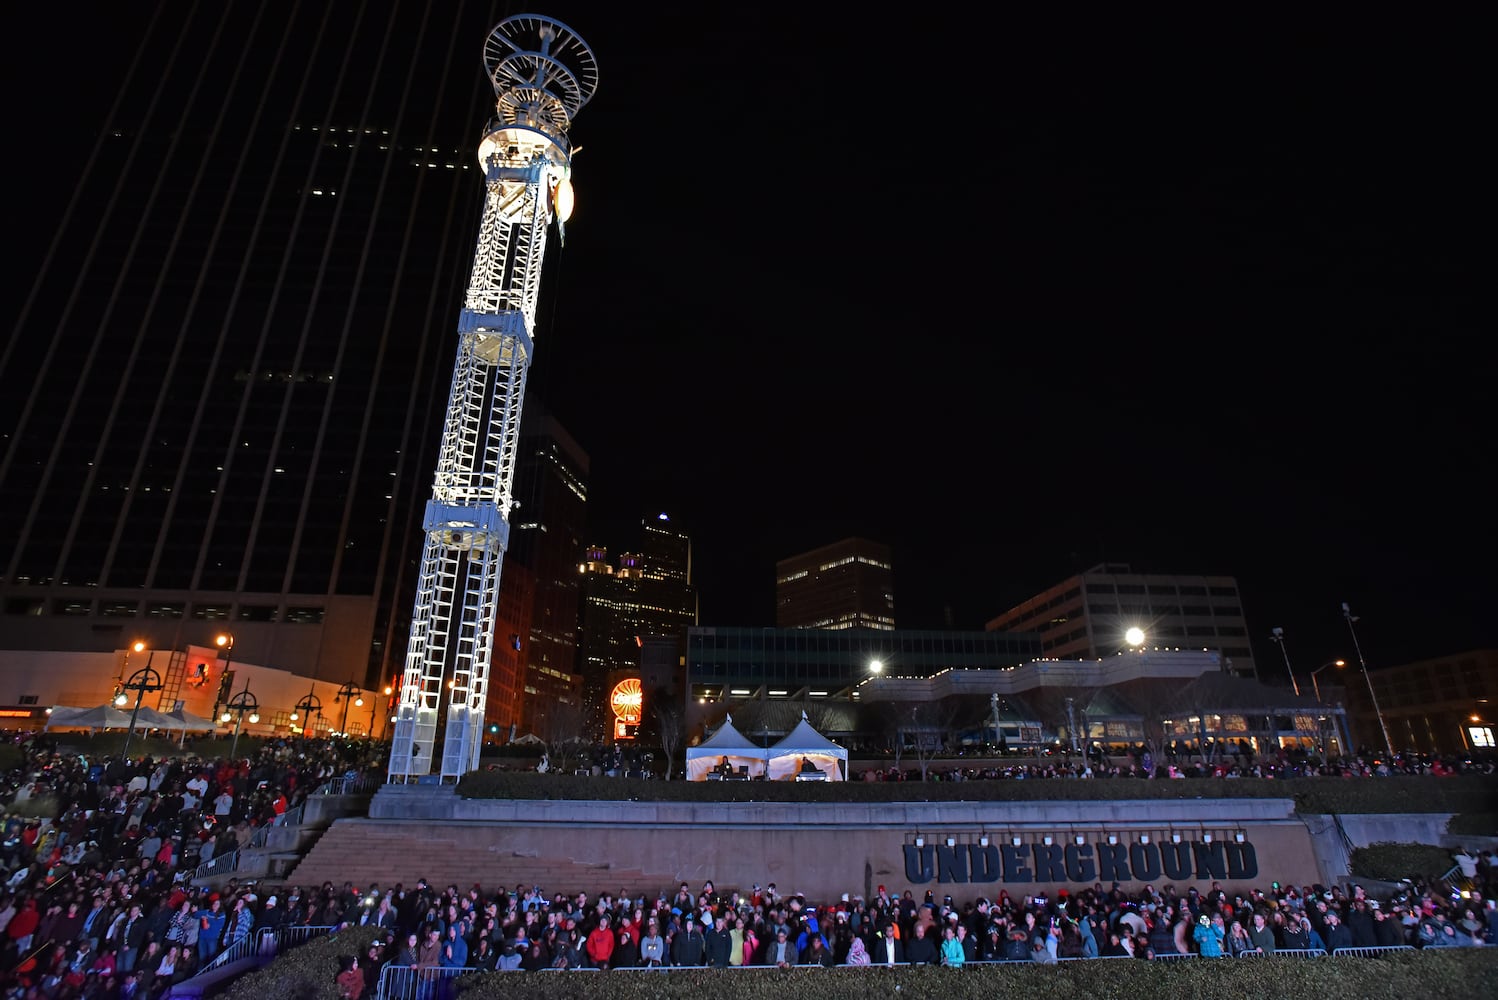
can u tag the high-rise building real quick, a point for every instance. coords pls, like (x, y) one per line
(1089, 615)
(546, 535)
(647, 594)
(849, 584)
(227, 355)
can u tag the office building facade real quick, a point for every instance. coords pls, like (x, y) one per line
(1087, 616)
(228, 354)
(546, 536)
(726, 667)
(647, 593)
(1441, 705)
(847, 585)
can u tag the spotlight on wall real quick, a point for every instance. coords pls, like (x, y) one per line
(1048, 840)
(1016, 841)
(1080, 840)
(1144, 838)
(1240, 836)
(983, 840)
(951, 841)
(920, 841)
(1112, 839)
(1175, 838)
(1206, 838)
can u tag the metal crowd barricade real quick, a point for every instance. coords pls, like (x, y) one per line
(412, 982)
(1174, 958)
(1373, 952)
(1288, 953)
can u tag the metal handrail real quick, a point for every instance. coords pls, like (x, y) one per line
(219, 864)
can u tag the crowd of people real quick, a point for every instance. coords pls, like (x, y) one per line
(96, 856)
(97, 902)
(423, 927)
(1227, 760)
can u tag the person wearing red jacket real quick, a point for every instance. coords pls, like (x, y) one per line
(23, 925)
(600, 944)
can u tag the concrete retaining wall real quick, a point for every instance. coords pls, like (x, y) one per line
(824, 850)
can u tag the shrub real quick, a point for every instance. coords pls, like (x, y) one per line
(306, 972)
(1390, 862)
(1481, 824)
(1441, 974)
(1401, 794)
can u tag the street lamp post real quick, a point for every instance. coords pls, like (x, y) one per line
(143, 680)
(1316, 688)
(242, 704)
(1278, 635)
(224, 641)
(348, 691)
(1388, 743)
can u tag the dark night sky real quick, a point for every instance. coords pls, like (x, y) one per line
(1017, 296)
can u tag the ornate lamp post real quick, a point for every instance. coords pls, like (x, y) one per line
(349, 691)
(242, 704)
(120, 698)
(143, 680)
(224, 641)
(309, 706)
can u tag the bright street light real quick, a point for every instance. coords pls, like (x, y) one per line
(1134, 636)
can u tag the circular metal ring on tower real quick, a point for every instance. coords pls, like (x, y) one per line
(531, 50)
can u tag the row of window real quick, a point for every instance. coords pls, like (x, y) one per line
(203, 612)
(1161, 589)
(1174, 611)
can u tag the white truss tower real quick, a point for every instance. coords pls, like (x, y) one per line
(543, 73)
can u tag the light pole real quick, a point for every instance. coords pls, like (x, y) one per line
(242, 703)
(1316, 688)
(224, 641)
(310, 705)
(1278, 635)
(348, 691)
(143, 680)
(1388, 743)
(120, 698)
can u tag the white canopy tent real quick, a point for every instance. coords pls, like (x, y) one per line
(804, 745)
(100, 717)
(182, 719)
(729, 746)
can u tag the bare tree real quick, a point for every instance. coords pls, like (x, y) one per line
(820, 714)
(565, 740)
(923, 727)
(669, 717)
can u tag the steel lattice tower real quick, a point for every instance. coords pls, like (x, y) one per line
(543, 74)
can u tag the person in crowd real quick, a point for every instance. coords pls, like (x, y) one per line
(1209, 935)
(350, 978)
(781, 952)
(952, 953)
(652, 945)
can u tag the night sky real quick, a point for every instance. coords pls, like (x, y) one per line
(1019, 296)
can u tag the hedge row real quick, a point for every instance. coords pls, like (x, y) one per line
(306, 972)
(1389, 862)
(1440, 974)
(1402, 794)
